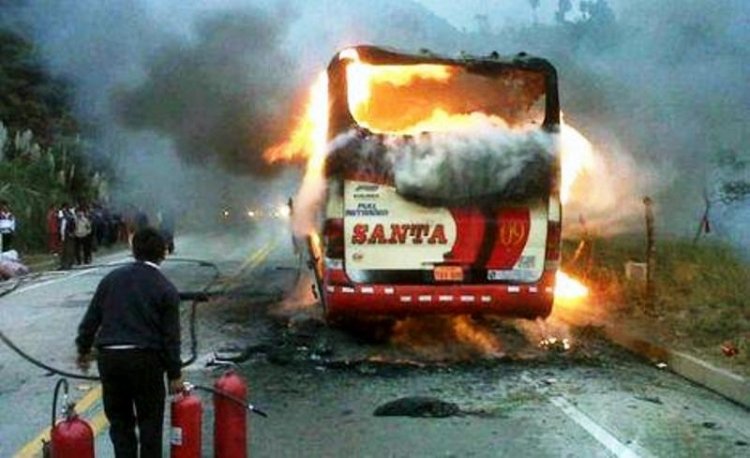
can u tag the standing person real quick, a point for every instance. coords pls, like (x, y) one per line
(128, 219)
(83, 236)
(7, 227)
(67, 236)
(114, 223)
(99, 225)
(167, 226)
(134, 322)
(53, 229)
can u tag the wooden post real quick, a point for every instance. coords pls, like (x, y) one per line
(703, 224)
(650, 254)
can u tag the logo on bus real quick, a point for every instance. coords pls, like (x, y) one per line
(513, 233)
(399, 234)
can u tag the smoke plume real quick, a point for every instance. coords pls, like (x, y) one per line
(219, 96)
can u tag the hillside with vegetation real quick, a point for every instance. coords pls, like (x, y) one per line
(42, 153)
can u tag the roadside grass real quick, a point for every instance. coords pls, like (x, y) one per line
(702, 293)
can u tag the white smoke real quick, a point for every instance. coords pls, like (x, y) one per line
(307, 205)
(606, 185)
(481, 156)
(308, 201)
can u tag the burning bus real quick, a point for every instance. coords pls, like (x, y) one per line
(442, 185)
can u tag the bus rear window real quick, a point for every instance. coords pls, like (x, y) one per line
(410, 99)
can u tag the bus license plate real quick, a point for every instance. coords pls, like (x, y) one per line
(448, 273)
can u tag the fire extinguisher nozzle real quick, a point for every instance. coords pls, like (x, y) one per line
(256, 410)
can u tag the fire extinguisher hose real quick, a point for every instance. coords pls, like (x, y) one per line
(60, 383)
(194, 297)
(230, 397)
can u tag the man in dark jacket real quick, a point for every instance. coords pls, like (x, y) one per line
(134, 322)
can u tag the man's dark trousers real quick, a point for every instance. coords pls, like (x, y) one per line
(133, 378)
(67, 257)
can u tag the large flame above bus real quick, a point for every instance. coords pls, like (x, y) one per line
(308, 140)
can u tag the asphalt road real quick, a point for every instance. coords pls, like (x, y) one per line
(321, 386)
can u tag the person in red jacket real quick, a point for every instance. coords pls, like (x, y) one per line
(53, 229)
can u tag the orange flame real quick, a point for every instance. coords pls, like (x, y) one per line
(308, 140)
(569, 289)
(480, 338)
(361, 78)
(444, 338)
(309, 137)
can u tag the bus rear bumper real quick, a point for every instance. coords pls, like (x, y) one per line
(514, 301)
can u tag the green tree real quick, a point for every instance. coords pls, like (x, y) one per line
(43, 160)
(29, 97)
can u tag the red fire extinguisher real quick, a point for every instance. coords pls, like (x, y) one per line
(230, 425)
(71, 437)
(185, 433)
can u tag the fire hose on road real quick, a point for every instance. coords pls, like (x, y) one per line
(74, 437)
(194, 296)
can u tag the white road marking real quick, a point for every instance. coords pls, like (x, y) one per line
(71, 275)
(597, 432)
(584, 421)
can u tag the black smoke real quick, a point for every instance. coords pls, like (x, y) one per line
(222, 95)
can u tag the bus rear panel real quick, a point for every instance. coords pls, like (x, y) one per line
(459, 215)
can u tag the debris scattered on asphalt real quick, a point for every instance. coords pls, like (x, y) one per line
(233, 354)
(281, 356)
(417, 406)
(651, 399)
(555, 344)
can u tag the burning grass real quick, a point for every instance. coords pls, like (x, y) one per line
(702, 295)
